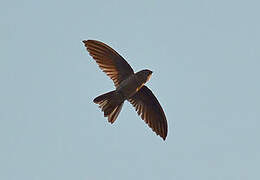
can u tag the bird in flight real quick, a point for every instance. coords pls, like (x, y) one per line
(129, 86)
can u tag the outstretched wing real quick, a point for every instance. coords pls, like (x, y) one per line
(150, 110)
(114, 65)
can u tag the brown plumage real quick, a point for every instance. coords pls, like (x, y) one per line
(129, 86)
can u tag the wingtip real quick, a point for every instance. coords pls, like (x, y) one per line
(85, 41)
(164, 138)
(89, 40)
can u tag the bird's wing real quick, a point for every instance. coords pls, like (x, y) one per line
(114, 65)
(150, 110)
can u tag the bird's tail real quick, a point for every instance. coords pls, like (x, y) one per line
(111, 104)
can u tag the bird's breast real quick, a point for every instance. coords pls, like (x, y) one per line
(129, 86)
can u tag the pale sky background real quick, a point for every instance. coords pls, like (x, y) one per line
(205, 58)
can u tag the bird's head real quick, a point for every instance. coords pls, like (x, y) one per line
(144, 75)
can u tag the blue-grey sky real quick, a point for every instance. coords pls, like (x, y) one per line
(205, 58)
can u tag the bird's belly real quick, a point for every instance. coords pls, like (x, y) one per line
(129, 87)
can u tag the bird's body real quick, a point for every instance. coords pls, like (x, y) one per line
(133, 83)
(129, 86)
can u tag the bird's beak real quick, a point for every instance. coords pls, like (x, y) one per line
(149, 77)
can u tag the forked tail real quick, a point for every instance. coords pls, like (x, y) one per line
(111, 104)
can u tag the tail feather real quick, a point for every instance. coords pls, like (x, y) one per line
(112, 117)
(103, 97)
(111, 104)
